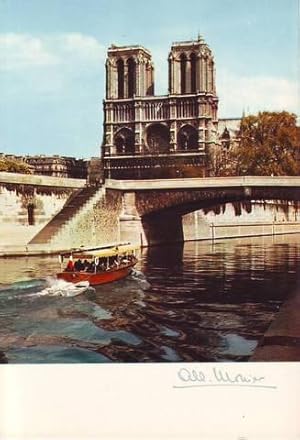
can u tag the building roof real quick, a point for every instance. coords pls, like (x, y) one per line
(198, 42)
(132, 48)
(232, 125)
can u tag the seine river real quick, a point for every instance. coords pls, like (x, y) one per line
(198, 302)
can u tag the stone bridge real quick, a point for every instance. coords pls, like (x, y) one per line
(144, 212)
(160, 204)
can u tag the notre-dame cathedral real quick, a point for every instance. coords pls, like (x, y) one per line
(148, 136)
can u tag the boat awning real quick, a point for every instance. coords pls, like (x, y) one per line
(104, 252)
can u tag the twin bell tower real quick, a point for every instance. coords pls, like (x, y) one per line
(170, 136)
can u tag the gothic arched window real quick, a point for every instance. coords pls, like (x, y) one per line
(187, 138)
(131, 77)
(183, 73)
(120, 69)
(193, 73)
(158, 138)
(124, 141)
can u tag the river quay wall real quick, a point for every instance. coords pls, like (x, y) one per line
(281, 342)
(232, 220)
(28, 203)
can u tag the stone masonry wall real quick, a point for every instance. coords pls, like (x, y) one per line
(15, 203)
(96, 226)
(242, 219)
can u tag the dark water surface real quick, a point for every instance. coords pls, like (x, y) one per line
(197, 302)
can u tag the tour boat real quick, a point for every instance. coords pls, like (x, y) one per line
(98, 265)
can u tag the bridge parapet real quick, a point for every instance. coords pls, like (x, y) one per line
(205, 182)
(37, 180)
(181, 196)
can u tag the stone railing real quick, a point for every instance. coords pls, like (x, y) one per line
(205, 182)
(160, 108)
(32, 179)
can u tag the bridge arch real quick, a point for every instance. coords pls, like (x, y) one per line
(162, 213)
(181, 202)
(160, 204)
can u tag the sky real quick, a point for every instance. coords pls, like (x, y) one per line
(52, 55)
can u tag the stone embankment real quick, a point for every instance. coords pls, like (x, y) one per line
(281, 341)
(27, 204)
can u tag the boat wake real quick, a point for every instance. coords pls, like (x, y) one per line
(63, 288)
(44, 287)
(140, 278)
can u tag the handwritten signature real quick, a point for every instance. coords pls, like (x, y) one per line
(218, 376)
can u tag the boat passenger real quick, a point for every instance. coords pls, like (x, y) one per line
(86, 265)
(70, 266)
(78, 265)
(91, 267)
(102, 263)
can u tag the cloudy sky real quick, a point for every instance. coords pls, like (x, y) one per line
(52, 55)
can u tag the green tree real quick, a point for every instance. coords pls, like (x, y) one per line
(13, 165)
(269, 145)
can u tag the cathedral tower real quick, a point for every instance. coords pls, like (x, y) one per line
(192, 83)
(191, 68)
(129, 72)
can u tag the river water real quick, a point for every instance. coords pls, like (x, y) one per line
(200, 301)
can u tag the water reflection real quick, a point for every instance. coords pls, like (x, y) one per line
(198, 302)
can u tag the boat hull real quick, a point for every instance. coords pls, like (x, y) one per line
(97, 278)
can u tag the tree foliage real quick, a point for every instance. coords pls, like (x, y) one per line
(269, 145)
(13, 165)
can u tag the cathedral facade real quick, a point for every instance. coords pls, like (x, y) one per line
(148, 136)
